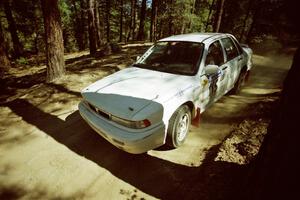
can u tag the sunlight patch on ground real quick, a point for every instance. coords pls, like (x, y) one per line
(261, 60)
(137, 44)
(273, 61)
(259, 91)
(186, 155)
(76, 54)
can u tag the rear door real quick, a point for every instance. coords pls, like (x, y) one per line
(233, 60)
(243, 55)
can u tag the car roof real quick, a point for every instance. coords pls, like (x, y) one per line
(193, 37)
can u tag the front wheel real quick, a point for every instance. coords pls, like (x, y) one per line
(179, 125)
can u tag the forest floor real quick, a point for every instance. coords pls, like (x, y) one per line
(47, 151)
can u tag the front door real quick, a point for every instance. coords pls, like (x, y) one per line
(217, 81)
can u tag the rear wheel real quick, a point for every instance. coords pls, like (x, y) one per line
(179, 125)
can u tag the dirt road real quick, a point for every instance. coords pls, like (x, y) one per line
(47, 151)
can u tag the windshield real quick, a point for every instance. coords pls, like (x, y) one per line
(173, 57)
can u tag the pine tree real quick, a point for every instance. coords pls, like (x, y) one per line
(54, 40)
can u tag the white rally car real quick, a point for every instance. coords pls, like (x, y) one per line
(154, 101)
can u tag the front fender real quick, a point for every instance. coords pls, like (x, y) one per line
(172, 105)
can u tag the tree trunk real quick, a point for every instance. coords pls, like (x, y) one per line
(160, 30)
(92, 27)
(66, 41)
(83, 25)
(97, 24)
(18, 49)
(4, 61)
(153, 21)
(54, 40)
(36, 29)
(209, 14)
(78, 31)
(132, 21)
(141, 34)
(121, 21)
(245, 20)
(182, 28)
(220, 13)
(171, 18)
(108, 21)
(254, 19)
(192, 12)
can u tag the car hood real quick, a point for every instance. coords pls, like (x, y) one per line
(130, 90)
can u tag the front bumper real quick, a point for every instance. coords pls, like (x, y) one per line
(130, 140)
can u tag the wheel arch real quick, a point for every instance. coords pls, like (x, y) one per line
(244, 68)
(191, 106)
(172, 136)
(173, 106)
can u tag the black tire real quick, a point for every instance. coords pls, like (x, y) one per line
(180, 118)
(239, 83)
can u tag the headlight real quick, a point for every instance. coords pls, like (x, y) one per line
(131, 124)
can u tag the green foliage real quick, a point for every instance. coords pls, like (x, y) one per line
(27, 15)
(22, 61)
(246, 19)
(65, 11)
(68, 23)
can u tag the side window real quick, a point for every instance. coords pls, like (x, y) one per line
(230, 48)
(215, 54)
(237, 45)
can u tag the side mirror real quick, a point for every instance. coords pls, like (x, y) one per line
(211, 69)
(137, 58)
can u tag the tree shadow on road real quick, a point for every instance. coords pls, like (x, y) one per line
(154, 176)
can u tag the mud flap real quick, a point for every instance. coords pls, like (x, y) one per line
(196, 120)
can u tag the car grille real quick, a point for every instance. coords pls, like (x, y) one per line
(100, 112)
